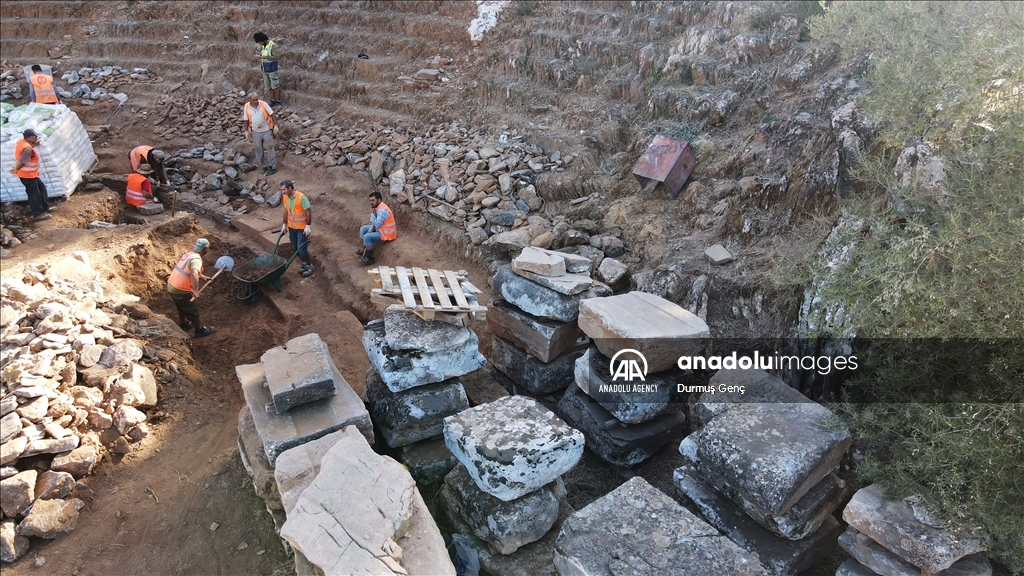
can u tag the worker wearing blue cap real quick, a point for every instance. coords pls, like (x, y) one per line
(183, 286)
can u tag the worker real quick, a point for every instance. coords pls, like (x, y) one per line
(298, 220)
(26, 167)
(268, 63)
(260, 125)
(381, 229)
(183, 286)
(42, 87)
(139, 189)
(155, 158)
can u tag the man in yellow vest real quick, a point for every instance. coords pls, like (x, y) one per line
(260, 125)
(183, 286)
(43, 90)
(138, 188)
(381, 229)
(268, 63)
(26, 167)
(298, 220)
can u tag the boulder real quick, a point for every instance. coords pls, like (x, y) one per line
(542, 338)
(18, 492)
(51, 518)
(538, 262)
(878, 560)
(12, 544)
(718, 254)
(629, 402)
(534, 377)
(123, 353)
(143, 378)
(405, 369)
(54, 485)
(637, 529)
(429, 461)
(512, 446)
(79, 462)
(538, 300)
(415, 414)
(298, 372)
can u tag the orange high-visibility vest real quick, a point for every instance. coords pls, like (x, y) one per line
(181, 276)
(263, 108)
(296, 216)
(388, 230)
(42, 86)
(139, 155)
(31, 169)
(134, 194)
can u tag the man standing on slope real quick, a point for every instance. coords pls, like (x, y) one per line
(268, 63)
(381, 229)
(260, 125)
(298, 218)
(183, 286)
(26, 167)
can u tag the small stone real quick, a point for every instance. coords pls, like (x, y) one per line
(242, 546)
(214, 526)
(718, 254)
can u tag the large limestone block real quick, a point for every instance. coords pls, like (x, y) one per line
(254, 460)
(405, 369)
(614, 442)
(296, 467)
(512, 446)
(18, 492)
(542, 338)
(538, 300)
(568, 284)
(658, 329)
(299, 372)
(406, 331)
(429, 461)
(304, 423)
(908, 530)
(358, 512)
(876, 558)
(530, 374)
(574, 263)
(780, 557)
(773, 454)
(539, 262)
(637, 529)
(505, 525)
(412, 415)
(759, 387)
(631, 402)
(51, 518)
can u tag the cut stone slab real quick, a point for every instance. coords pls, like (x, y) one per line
(51, 518)
(877, 559)
(406, 331)
(304, 423)
(299, 372)
(718, 254)
(539, 262)
(851, 567)
(512, 446)
(637, 529)
(12, 544)
(429, 461)
(544, 339)
(412, 415)
(254, 460)
(296, 467)
(534, 559)
(405, 369)
(505, 525)
(537, 300)
(773, 454)
(780, 557)
(907, 530)
(630, 402)
(759, 387)
(568, 284)
(79, 462)
(614, 442)
(574, 263)
(18, 492)
(362, 514)
(533, 376)
(658, 329)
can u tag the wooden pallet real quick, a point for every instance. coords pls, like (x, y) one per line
(428, 293)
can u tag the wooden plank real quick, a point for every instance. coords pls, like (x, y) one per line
(460, 298)
(422, 285)
(439, 288)
(385, 278)
(403, 280)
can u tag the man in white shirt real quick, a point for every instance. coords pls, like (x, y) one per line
(260, 125)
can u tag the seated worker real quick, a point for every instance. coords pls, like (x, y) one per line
(139, 190)
(381, 229)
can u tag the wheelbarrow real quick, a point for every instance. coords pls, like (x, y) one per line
(275, 267)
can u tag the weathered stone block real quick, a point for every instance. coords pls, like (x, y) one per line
(874, 557)
(614, 442)
(718, 254)
(574, 263)
(539, 262)
(405, 369)
(613, 273)
(18, 492)
(298, 372)
(304, 423)
(537, 300)
(657, 328)
(542, 338)
(632, 402)
(51, 518)
(759, 387)
(406, 331)
(429, 461)
(780, 557)
(534, 559)
(533, 376)
(568, 284)
(254, 460)
(512, 446)
(296, 467)
(637, 529)
(505, 525)
(412, 415)
(908, 530)
(851, 567)
(150, 209)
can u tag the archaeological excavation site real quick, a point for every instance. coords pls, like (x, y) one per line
(512, 288)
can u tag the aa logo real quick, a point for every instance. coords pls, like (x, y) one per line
(628, 368)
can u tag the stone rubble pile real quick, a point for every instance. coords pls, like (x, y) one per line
(507, 489)
(762, 469)
(222, 194)
(627, 420)
(198, 117)
(97, 84)
(78, 372)
(903, 537)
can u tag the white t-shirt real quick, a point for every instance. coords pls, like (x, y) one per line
(259, 123)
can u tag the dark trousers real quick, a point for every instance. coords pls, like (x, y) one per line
(299, 244)
(36, 192)
(187, 308)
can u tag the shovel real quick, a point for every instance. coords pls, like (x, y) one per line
(223, 263)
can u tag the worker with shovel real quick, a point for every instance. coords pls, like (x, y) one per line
(183, 286)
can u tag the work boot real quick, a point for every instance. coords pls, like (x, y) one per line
(275, 103)
(41, 217)
(367, 260)
(271, 171)
(263, 171)
(204, 331)
(308, 270)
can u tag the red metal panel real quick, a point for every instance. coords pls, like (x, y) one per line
(667, 160)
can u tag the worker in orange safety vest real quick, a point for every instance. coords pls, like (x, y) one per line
(26, 168)
(139, 189)
(298, 223)
(43, 90)
(155, 158)
(382, 228)
(183, 286)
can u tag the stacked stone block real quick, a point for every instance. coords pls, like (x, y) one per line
(627, 419)
(761, 469)
(507, 489)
